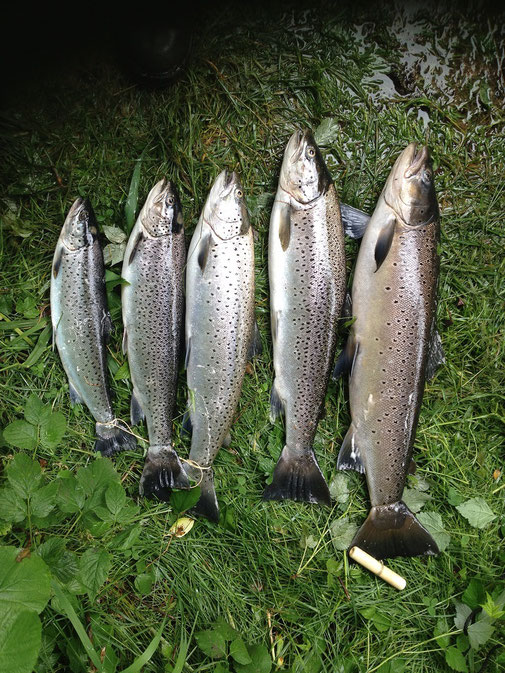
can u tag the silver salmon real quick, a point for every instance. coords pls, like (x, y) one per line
(153, 319)
(82, 324)
(391, 344)
(307, 274)
(220, 327)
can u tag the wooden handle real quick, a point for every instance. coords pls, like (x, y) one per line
(377, 567)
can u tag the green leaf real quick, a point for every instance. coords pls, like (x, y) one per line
(238, 651)
(339, 489)
(127, 538)
(492, 608)
(432, 521)
(415, 499)
(114, 234)
(24, 474)
(76, 623)
(24, 584)
(115, 497)
(381, 621)
(12, 506)
(20, 638)
(222, 626)
(474, 593)
(144, 583)
(442, 627)
(453, 497)
(477, 512)
(133, 196)
(51, 433)
(480, 631)
(261, 661)
(462, 613)
(94, 566)
(327, 131)
(39, 347)
(181, 501)
(43, 501)
(342, 532)
(123, 373)
(455, 659)
(211, 643)
(113, 253)
(36, 412)
(21, 434)
(71, 495)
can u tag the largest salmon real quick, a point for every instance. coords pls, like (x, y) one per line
(392, 343)
(306, 268)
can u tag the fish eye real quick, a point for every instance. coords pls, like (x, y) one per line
(311, 152)
(239, 193)
(171, 200)
(427, 175)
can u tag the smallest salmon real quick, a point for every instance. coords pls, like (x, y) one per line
(82, 323)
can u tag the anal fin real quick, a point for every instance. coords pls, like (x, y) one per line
(75, 398)
(436, 356)
(276, 404)
(349, 457)
(136, 412)
(255, 347)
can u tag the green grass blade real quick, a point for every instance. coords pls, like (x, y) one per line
(148, 653)
(40, 346)
(76, 623)
(133, 196)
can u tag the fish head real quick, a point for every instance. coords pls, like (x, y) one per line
(162, 212)
(304, 174)
(80, 228)
(225, 210)
(410, 190)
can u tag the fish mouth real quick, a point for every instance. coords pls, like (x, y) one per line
(297, 143)
(418, 159)
(77, 207)
(227, 180)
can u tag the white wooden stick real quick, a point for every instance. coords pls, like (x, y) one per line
(377, 567)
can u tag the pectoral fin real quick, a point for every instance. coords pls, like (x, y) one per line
(203, 251)
(436, 355)
(284, 216)
(57, 262)
(136, 245)
(384, 241)
(354, 221)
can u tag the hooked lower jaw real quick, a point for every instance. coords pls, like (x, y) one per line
(418, 160)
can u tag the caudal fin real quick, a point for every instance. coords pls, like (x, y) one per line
(298, 478)
(207, 505)
(162, 472)
(113, 438)
(392, 530)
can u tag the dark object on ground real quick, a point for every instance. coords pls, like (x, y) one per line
(154, 52)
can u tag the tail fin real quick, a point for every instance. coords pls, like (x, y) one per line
(207, 505)
(392, 530)
(298, 478)
(112, 439)
(162, 472)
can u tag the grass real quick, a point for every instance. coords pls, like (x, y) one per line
(271, 570)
